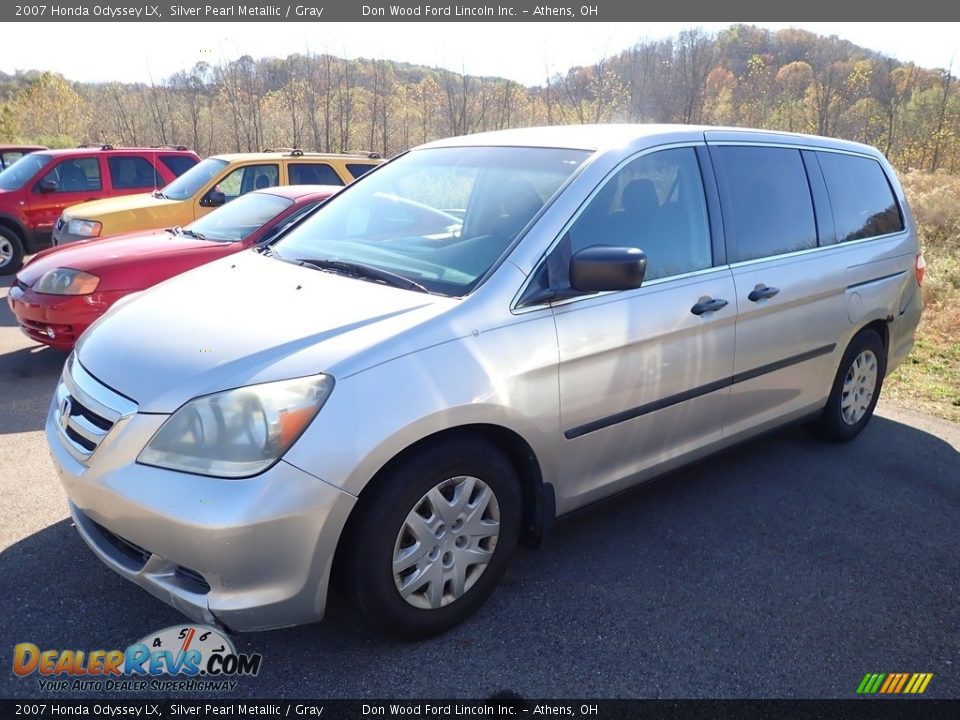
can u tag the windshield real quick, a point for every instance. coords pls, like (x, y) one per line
(188, 184)
(440, 217)
(17, 175)
(237, 219)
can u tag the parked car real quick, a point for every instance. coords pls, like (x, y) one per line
(403, 407)
(62, 291)
(35, 190)
(9, 154)
(215, 181)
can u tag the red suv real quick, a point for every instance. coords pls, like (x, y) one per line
(37, 188)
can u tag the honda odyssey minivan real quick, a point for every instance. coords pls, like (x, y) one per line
(481, 335)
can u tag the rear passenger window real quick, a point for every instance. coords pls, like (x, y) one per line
(130, 171)
(768, 209)
(313, 174)
(860, 195)
(654, 203)
(178, 164)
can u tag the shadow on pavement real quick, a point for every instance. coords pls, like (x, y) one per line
(781, 559)
(27, 380)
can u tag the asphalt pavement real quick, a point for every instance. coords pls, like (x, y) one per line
(783, 568)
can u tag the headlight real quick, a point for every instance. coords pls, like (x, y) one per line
(66, 281)
(237, 433)
(84, 228)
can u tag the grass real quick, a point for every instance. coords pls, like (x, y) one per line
(929, 379)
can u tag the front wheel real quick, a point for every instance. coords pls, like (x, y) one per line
(855, 391)
(433, 537)
(11, 252)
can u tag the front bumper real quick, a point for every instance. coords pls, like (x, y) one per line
(249, 554)
(58, 320)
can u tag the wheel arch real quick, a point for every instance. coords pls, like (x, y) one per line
(539, 505)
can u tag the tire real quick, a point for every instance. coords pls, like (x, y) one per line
(11, 251)
(855, 390)
(411, 516)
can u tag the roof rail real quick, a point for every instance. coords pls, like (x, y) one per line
(96, 145)
(292, 151)
(372, 154)
(169, 147)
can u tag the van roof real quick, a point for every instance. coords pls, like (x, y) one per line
(604, 137)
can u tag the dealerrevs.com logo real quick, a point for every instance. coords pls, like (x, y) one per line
(185, 658)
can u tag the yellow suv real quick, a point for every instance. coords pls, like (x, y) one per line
(209, 184)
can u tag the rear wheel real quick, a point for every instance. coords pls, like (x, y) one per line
(11, 252)
(855, 391)
(433, 538)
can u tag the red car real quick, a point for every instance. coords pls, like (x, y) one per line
(59, 293)
(35, 190)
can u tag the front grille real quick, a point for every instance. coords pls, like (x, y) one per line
(42, 331)
(86, 410)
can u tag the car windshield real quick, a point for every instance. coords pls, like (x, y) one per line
(188, 184)
(237, 219)
(18, 174)
(439, 217)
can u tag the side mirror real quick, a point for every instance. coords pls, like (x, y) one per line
(602, 267)
(48, 186)
(214, 198)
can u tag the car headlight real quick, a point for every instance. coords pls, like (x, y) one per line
(84, 228)
(237, 433)
(66, 281)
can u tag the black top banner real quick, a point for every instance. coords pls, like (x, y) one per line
(494, 11)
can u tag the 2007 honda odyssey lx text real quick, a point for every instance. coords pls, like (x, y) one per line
(478, 336)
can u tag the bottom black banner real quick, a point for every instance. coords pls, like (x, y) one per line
(501, 708)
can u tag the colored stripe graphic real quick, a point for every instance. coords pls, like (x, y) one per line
(894, 683)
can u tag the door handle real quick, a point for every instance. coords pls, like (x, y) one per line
(708, 305)
(762, 292)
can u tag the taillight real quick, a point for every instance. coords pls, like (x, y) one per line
(920, 268)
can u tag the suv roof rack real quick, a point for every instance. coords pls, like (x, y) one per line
(169, 147)
(96, 145)
(372, 154)
(292, 151)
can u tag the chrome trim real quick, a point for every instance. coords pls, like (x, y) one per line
(79, 393)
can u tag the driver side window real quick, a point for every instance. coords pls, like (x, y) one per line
(655, 203)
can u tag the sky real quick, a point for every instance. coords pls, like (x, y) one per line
(525, 52)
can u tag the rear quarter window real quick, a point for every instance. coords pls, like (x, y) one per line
(178, 164)
(862, 201)
(358, 169)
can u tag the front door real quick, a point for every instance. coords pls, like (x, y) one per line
(644, 374)
(66, 183)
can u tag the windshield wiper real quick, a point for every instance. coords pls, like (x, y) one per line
(359, 270)
(268, 251)
(192, 233)
(158, 194)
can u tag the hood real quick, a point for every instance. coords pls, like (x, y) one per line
(123, 259)
(241, 320)
(150, 211)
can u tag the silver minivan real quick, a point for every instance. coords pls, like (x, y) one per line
(479, 336)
